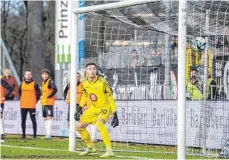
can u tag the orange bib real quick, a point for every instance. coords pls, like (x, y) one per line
(2, 96)
(78, 96)
(28, 95)
(45, 93)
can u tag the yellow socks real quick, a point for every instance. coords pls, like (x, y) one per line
(85, 136)
(104, 134)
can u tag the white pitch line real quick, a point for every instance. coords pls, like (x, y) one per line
(49, 149)
(45, 149)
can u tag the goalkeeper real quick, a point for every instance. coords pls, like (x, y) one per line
(96, 89)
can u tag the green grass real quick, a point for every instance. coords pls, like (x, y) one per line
(14, 148)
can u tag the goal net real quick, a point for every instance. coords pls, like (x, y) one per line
(136, 49)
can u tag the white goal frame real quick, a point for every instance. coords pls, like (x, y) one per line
(181, 128)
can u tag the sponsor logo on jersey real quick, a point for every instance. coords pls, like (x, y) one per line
(93, 97)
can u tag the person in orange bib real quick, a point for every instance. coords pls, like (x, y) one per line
(78, 97)
(4, 86)
(48, 90)
(29, 93)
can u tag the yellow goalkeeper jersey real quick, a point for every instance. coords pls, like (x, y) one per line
(97, 93)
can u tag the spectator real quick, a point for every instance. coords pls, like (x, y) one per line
(194, 90)
(133, 59)
(155, 58)
(211, 87)
(4, 86)
(12, 82)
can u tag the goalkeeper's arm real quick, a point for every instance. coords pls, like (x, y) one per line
(82, 103)
(110, 97)
(108, 92)
(84, 98)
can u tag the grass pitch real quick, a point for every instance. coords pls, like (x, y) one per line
(57, 148)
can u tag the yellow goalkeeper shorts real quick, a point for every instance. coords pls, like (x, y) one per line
(92, 114)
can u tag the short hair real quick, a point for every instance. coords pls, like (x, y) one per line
(78, 73)
(28, 70)
(91, 63)
(194, 68)
(4, 69)
(134, 50)
(45, 71)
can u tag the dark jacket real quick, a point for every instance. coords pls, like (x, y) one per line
(7, 87)
(13, 83)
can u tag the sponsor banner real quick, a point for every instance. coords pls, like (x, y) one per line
(63, 32)
(151, 122)
(63, 25)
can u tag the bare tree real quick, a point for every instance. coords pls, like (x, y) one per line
(5, 8)
(13, 31)
(50, 35)
(35, 38)
(28, 30)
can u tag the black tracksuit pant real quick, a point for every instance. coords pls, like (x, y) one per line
(32, 113)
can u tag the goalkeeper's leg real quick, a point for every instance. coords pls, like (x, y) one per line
(87, 118)
(104, 133)
(92, 129)
(100, 124)
(81, 128)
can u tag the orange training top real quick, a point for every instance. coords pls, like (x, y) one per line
(2, 92)
(78, 95)
(28, 95)
(45, 93)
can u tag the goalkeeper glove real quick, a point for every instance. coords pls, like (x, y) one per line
(78, 113)
(115, 121)
(79, 109)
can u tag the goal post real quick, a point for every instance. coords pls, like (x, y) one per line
(181, 62)
(114, 5)
(74, 58)
(167, 64)
(181, 107)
